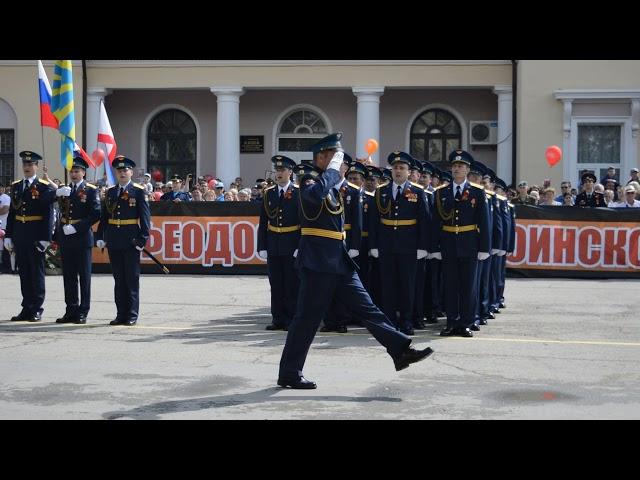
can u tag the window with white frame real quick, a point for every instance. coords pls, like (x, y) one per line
(599, 147)
(297, 133)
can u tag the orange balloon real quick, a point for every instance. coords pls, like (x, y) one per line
(372, 146)
(553, 155)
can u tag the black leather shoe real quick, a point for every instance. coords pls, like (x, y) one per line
(447, 332)
(408, 331)
(491, 316)
(341, 329)
(130, 322)
(409, 356)
(440, 314)
(82, 319)
(465, 332)
(483, 321)
(432, 319)
(474, 328)
(299, 384)
(502, 305)
(497, 310)
(21, 317)
(35, 318)
(420, 325)
(273, 326)
(66, 319)
(326, 329)
(117, 321)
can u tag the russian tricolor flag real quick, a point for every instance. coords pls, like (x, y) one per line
(46, 117)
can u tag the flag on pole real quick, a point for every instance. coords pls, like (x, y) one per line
(105, 136)
(46, 117)
(62, 108)
(78, 151)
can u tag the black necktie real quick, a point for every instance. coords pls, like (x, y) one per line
(121, 190)
(26, 184)
(73, 188)
(458, 194)
(398, 193)
(281, 194)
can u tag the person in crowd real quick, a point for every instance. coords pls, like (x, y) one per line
(565, 187)
(629, 199)
(523, 197)
(548, 197)
(567, 200)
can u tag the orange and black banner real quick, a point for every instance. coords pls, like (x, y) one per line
(200, 238)
(576, 242)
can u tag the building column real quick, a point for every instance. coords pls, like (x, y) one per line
(368, 119)
(504, 167)
(228, 133)
(95, 95)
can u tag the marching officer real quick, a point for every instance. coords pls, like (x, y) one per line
(124, 230)
(339, 316)
(508, 245)
(399, 237)
(278, 237)
(590, 198)
(29, 229)
(79, 207)
(460, 239)
(326, 269)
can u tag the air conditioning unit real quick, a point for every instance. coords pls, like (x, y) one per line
(483, 132)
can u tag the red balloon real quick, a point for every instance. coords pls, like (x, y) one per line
(553, 154)
(98, 156)
(211, 183)
(371, 146)
(157, 175)
(157, 195)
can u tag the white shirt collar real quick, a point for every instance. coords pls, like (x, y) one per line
(395, 185)
(456, 185)
(285, 188)
(124, 186)
(77, 184)
(31, 179)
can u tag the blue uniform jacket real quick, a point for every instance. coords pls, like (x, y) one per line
(367, 218)
(352, 199)
(84, 211)
(496, 219)
(410, 206)
(322, 212)
(279, 216)
(36, 201)
(183, 196)
(131, 205)
(471, 209)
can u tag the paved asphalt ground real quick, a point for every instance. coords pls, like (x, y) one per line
(562, 349)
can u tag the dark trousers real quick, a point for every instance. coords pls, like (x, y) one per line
(283, 279)
(461, 290)
(76, 264)
(398, 273)
(317, 289)
(502, 278)
(495, 281)
(5, 261)
(437, 286)
(30, 264)
(364, 270)
(484, 287)
(375, 281)
(418, 301)
(125, 265)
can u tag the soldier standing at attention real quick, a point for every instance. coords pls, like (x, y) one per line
(79, 209)
(124, 230)
(29, 229)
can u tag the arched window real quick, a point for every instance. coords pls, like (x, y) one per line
(171, 144)
(434, 135)
(298, 131)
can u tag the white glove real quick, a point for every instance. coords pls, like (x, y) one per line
(483, 256)
(421, 254)
(139, 248)
(353, 253)
(8, 244)
(336, 161)
(374, 252)
(42, 245)
(101, 244)
(63, 192)
(295, 253)
(494, 251)
(263, 254)
(436, 255)
(69, 229)
(502, 253)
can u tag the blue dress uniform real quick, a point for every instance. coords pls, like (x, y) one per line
(509, 243)
(435, 265)
(369, 272)
(278, 235)
(400, 231)
(124, 225)
(423, 274)
(594, 199)
(80, 210)
(327, 270)
(461, 231)
(30, 221)
(351, 195)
